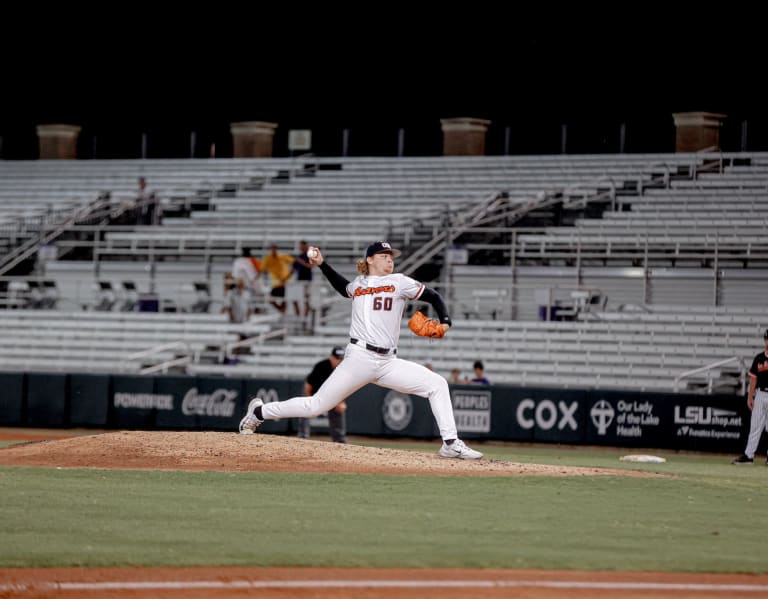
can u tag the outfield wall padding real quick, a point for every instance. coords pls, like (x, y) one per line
(634, 419)
(12, 398)
(47, 397)
(86, 399)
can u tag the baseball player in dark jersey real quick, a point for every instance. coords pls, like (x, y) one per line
(757, 400)
(337, 419)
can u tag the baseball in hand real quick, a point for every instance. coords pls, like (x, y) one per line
(312, 253)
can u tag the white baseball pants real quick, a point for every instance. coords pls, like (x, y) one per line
(757, 422)
(360, 367)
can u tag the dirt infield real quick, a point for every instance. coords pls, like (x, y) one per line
(361, 583)
(232, 452)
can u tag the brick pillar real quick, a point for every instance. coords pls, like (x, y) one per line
(58, 142)
(252, 139)
(697, 130)
(464, 136)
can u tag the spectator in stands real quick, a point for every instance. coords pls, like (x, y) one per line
(337, 420)
(247, 268)
(479, 378)
(303, 270)
(146, 205)
(237, 306)
(280, 268)
(456, 378)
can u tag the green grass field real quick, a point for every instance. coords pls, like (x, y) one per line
(709, 517)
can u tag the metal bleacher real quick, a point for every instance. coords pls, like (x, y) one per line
(622, 350)
(342, 203)
(676, 263)
(721, 215)
(95, 341)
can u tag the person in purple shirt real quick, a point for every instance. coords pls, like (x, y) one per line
(479, 378)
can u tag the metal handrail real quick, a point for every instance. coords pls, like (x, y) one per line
(458, 222)
(31, 246)
(158, 348)
(167, 363)
(482, 214)
(256, 339)
(164, 366)
(708, 368)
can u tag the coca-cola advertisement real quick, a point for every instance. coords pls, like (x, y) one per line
(202, 404)
(221, 403)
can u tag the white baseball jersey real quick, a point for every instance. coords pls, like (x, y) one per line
(377, 307)
(377, 311)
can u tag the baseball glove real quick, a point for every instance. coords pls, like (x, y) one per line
(425, 327)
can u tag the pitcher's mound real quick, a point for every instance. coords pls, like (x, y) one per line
(161, 450)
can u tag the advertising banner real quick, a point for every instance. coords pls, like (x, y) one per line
(715, 424)
(554, 415)
(405, 415)
(199, 403)
(134, 403)
(693, 422)
(215, 403)
(627, 419)
(472, 410)
(700, 422)
(375, 410)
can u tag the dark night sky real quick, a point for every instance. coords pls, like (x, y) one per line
(327, 70)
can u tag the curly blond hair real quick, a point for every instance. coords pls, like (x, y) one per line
(362, 267)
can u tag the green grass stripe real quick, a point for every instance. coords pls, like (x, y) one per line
(706, 519)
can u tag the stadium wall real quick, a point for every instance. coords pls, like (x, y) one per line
(681, 421)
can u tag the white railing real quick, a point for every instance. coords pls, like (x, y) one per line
(250, 341)
(709, 368)
(163, 366)
(48, 232)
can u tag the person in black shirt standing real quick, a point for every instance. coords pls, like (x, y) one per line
(757, 401)
(337, 419)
